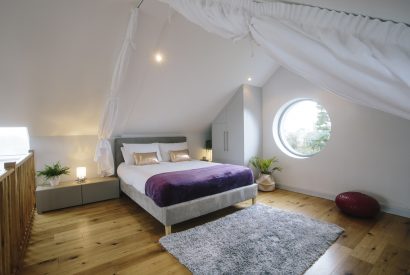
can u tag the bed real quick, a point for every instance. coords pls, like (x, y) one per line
(133, 185)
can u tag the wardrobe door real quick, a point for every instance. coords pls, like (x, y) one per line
(219, 142)
(235, 127)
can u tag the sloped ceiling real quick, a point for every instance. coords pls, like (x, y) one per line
(201, 71)
(57, 57)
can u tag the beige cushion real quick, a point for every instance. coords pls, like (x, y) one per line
(165, 148)
(180, 155)
(146, 158)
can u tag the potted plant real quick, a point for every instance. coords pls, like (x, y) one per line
(265, 167)
(53, 172)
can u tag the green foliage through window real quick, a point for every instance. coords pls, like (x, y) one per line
(304, 128)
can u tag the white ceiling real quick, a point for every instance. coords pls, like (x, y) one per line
(200, 73)
(57, 58)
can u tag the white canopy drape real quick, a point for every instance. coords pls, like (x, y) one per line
(103, 153)
(362, 59)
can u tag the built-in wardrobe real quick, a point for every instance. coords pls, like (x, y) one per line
(237, 130)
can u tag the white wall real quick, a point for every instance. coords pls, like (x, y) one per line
(71, 151)
(56, 62)
(368, 149)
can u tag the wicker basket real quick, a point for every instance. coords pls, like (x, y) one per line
(265, 183)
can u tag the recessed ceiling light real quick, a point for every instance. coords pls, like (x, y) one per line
(158, 57)
(249, 79)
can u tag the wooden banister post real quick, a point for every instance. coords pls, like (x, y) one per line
(17, 202)
(9, 165)
(14, 215)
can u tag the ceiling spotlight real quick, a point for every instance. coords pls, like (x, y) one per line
(159, 58)
(249, 79)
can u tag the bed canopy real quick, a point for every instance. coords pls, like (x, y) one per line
(103, 153)
(362, 59)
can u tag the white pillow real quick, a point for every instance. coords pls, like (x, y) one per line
(130, 149)
(126, 156)
(166, 147)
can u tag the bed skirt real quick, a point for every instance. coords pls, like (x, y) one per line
(184, 211)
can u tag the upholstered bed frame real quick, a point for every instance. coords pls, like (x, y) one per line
(180, 212)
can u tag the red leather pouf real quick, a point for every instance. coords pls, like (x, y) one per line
(357, 204)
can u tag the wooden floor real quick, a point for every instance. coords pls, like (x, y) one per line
(118, 237)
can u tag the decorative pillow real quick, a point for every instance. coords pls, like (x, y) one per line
(165, 148)
(130, 149)
(181, 155)
(146, 158)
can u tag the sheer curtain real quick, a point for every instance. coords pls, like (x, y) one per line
(364, 60)
(103, 153)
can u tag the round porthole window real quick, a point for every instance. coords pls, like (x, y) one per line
(302, 128)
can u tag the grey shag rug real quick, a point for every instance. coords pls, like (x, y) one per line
(256, 240)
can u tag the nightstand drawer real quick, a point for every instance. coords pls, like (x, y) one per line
(58, 198)
(104, 189)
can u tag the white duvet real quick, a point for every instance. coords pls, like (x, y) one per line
(137, 176)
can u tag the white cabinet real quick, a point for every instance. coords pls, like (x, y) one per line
(237, 130)
(219, 142)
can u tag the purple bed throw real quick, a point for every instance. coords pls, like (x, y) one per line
(175, 187)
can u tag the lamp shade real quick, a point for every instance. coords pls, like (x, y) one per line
(81, 173)
(208, 144)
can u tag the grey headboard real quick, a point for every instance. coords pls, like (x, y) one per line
(119, 141)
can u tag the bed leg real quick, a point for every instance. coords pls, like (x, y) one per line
(253, 200)
(167, 230)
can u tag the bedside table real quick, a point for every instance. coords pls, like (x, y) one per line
(99, 189)
(73, 193)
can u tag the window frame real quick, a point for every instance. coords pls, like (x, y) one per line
(280, 141)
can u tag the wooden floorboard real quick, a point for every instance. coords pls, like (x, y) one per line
(119, 237)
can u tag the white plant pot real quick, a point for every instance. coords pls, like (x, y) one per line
(54, 180)
(265, 183)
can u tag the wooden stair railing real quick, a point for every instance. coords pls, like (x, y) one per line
(17, 205)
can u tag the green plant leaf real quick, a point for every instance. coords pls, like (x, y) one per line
(265, 166)
(53, 170)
